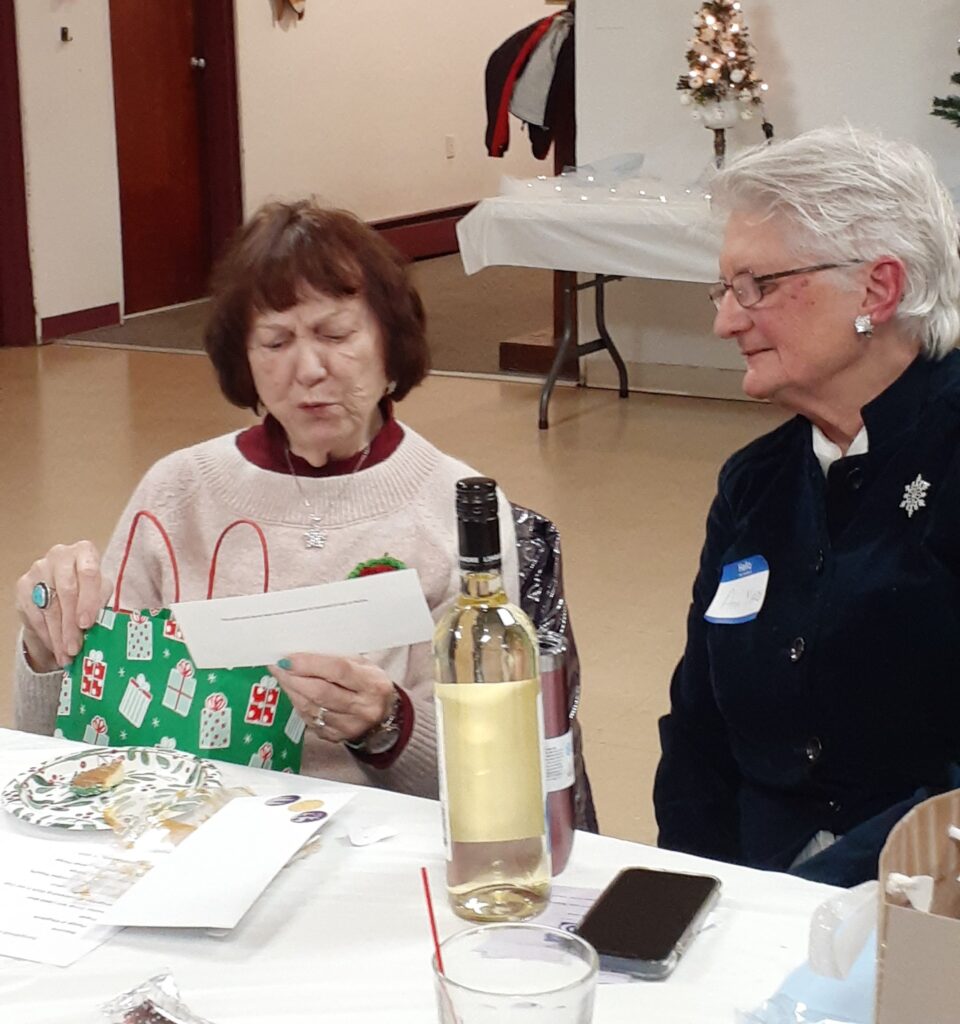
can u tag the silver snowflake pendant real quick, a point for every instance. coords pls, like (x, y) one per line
(913, 496)
(314, 537)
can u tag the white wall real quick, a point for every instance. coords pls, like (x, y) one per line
(70, 154)
(353, 103)
(877, 63)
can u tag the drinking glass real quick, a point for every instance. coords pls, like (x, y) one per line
(543, 975)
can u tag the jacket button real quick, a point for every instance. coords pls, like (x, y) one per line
(818, 562)
(797, 648)
(813, 749)
(855, 478)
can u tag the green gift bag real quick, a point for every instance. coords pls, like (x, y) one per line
(133, 683)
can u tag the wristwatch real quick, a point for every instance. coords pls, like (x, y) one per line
(382, 737)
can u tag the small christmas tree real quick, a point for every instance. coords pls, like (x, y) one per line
(948, 107)
(722, 66)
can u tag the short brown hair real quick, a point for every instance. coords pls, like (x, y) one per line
(286, 245)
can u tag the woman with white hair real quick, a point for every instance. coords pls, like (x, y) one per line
(818, 697)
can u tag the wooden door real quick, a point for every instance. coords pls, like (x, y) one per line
(17, 323)
(157, 95)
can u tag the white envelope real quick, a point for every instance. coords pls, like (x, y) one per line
(371, 613)
(214, 876)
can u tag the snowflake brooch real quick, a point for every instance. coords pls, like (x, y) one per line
(913, 495)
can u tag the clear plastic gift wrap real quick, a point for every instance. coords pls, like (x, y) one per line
(615, 179)
(156, 1001)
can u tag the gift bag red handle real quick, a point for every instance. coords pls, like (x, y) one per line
(216, 552)
(143, 514)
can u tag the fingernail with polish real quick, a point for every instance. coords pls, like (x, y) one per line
(284, 663)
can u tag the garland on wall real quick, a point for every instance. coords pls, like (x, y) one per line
(722, 83)
(948, 107)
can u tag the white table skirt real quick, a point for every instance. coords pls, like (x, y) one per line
(341, 935)
(673, 241)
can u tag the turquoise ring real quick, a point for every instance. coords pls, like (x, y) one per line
(42, 596)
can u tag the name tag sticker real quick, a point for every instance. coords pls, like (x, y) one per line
(739, 597)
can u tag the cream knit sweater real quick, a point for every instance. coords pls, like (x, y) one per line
(403, 506)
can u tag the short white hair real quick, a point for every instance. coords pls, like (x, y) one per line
(854, 195)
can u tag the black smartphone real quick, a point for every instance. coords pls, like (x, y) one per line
(645, 919)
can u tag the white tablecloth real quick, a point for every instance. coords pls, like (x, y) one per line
(341, 935)
(674, 240)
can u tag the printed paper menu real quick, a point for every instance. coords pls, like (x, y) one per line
(53, 896)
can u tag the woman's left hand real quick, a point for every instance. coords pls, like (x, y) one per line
(341, 698)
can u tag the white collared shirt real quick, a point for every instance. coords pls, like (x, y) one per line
(827, 452)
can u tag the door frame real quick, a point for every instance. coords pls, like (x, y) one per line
(18, 322)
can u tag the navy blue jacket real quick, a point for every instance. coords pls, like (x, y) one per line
(838, 707)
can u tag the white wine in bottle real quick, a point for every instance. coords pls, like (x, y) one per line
(489, 731)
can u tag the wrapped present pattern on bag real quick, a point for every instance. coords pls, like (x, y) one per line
(263, 758)
(181, 686)
(66, 694)
(107, 618)
(139, 637)
(293, 730)
(215, 723)
(171, 631)
(94, 675)
(136, 700)
(262, 706)
(96, 732)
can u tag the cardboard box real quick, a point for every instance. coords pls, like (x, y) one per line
(918, 954)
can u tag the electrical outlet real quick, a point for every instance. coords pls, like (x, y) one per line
(450, 146)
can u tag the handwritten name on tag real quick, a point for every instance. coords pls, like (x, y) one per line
(740, 594)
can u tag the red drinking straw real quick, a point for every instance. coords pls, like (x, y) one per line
(433, 920)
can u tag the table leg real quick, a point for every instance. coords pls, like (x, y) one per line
(560, 354)
(605, 334)
(601, 343)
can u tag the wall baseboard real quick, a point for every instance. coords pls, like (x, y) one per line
(664, 379)
(53, 327)
(423, 235)
(524, 357)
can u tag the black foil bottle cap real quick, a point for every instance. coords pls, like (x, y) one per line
(477, 499)
(478, 521)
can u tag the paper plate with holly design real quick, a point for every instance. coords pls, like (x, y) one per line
(167, 782)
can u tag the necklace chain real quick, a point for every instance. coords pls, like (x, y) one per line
(315, 536)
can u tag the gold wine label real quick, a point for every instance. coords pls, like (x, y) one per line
(490, 734)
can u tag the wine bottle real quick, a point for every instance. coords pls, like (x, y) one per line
(489, 731)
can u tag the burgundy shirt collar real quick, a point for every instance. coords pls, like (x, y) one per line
(265, 445)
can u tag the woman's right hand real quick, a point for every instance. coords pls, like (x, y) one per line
(53, 635)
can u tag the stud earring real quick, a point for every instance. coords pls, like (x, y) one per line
(863, 325)
(391, 387)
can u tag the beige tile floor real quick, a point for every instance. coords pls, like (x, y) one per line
(628, 482)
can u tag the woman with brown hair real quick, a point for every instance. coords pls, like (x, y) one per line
(314, 324)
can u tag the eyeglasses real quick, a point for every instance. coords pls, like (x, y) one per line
(749, 290)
